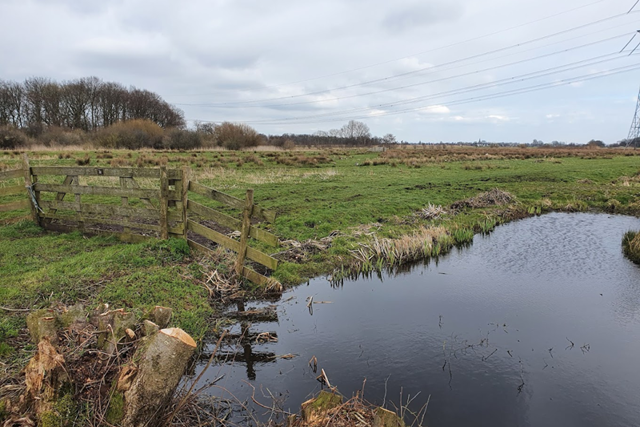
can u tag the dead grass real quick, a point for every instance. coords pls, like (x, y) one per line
(269, 176)
(408, 248)
(631, 246)
(494, 197)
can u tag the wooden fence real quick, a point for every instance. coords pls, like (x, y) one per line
(163, 211)
(13, 190)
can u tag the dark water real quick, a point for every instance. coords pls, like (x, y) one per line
(537, 324)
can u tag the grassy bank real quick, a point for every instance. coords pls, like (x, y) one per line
(41, 270)
(338, 209)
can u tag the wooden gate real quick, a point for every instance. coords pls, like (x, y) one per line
(243, 225)
(19, 189)
(137, 203)
(141, 212)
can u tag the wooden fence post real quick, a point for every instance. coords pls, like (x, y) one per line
(246, 226)
(124, 201)
(78, 201)
(164, 203)
(28, 184)
(186, 176)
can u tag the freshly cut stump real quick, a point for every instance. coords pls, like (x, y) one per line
(154, 375)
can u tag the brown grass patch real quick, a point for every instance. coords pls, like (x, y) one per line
(494, 197)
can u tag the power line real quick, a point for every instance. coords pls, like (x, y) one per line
(437, 80)
(506, 81)
(443, 47)
(224, 104)
(520, 91)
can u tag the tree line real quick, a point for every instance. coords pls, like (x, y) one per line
(353, 133)
(87, 104)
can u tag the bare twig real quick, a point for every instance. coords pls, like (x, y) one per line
(186, 396)
(15, 310)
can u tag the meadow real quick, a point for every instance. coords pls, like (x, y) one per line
(340, 212)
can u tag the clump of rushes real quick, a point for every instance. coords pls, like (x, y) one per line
(631, 245)
(415, 247)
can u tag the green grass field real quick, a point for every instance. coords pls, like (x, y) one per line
(353, 194)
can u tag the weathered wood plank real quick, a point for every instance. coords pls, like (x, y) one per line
(255, 277)
(198, 247)
(229, 243)
(60, 196)
(230, 222)
(26, 169)
(14, 206)
(110, 210)
(244, 234)
(63, 228)
(96, 171)
(246, 271)
(231, 201)
(164, 204)
(78, 201)
(103, 191)
(134, 184)
(124, 201)
(16, 173)
(184, 183)
(10, 191)
(97, 220)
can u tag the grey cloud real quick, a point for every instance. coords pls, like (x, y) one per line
(422, 14)
(82, 7)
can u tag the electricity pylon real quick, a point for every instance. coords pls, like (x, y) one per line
(634, 131)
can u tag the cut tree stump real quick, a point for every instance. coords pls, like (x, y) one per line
(150, 381)
(41, 324)
(45, 376)
(161, 316)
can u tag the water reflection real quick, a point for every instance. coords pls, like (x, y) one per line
(536, 324)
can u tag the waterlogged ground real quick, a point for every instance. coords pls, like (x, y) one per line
(537, 324)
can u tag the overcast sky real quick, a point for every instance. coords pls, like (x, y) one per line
(300, 66)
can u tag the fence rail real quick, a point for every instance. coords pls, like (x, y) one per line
(242, 248)
(13, 190)
(166, 210)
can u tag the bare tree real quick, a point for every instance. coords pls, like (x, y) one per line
(389, 139)
(356, 131)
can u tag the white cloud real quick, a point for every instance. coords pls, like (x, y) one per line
(436, 109)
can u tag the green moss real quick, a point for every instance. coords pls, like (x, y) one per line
(67, 409)
(115, 413)
(326, 401)
(50, 419)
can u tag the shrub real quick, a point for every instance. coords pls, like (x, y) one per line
(55, 135)
(11, 137)
(234, 136)
(179, 139)
(132, 134)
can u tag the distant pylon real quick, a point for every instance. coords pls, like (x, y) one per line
(634, 131)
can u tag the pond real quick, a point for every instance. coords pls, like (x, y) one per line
(536, 324)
